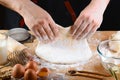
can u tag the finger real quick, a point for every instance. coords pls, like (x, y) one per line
(75, 26)
(73, 29)
(93, 30)
(43, 34)
(37, 34)
(35, 31)
(85, 32)
(48, 31)
(80, 29)
(54, 28)
(39, 37)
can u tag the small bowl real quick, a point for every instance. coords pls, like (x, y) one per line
(19, 34)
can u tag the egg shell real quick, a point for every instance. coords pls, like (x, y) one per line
(18, 71)
(43, 72)
(31, 65)
(44, 69)
(30, 75)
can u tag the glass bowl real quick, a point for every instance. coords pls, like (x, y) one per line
(110, 59)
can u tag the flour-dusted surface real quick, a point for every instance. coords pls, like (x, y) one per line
(64, 50)
(94, 64)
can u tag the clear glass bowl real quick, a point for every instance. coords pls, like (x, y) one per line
(110, 61)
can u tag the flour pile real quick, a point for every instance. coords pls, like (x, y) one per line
(64, 50)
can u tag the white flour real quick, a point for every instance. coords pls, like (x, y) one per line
(64, 50)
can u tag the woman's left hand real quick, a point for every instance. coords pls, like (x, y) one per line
(87, 23)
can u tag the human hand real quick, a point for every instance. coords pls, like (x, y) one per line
(40, 23)
(87, 23)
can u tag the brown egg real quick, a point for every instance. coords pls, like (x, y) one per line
(43, 72)
(30, 75)
(18, 71)
(32, 65)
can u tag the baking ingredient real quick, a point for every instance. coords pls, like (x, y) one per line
(64, 50)
(32, 65)
(30, 75)
(43, 72)
(18, 71)
(5, 73)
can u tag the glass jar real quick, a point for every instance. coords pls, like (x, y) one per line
(3, 48)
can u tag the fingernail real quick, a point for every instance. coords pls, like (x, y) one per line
(51, 37)
(45, 38)
(39, 38)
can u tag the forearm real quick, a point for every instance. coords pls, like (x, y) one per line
(15, 5)
(20, 6)
(99, 4)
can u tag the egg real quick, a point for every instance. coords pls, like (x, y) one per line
(43, 72)
(18, 71)
(32, 65)
(30, 75)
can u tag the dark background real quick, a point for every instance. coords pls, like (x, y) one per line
(1, 16)
(111, 20)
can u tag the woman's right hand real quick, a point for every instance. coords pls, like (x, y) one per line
(40, 22)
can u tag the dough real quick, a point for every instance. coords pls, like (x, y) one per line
(64, 50)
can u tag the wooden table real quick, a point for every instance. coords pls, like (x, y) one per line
(94, 63)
